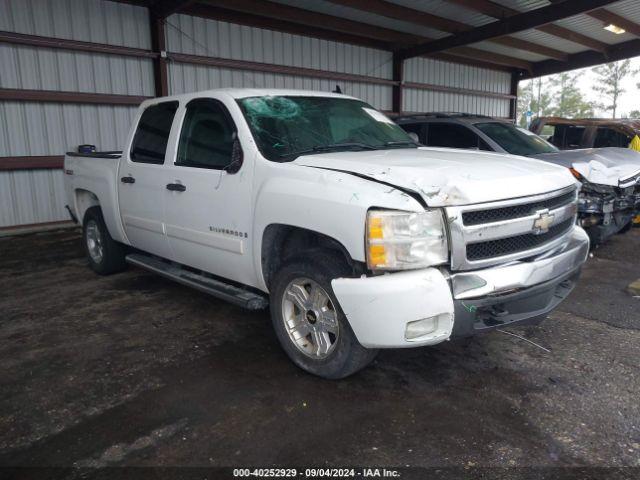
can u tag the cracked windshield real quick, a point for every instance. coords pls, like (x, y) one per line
(287, 127)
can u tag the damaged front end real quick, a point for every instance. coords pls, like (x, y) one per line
(605, 210)
(636, 208)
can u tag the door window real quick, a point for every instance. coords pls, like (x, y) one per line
(207, 137)
(151, 137)
(417, 128)
(515, 140)
(450, 135)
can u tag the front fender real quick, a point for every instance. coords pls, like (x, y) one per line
(332, 203)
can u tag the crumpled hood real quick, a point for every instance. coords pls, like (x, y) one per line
(605, 166)
(449, 176)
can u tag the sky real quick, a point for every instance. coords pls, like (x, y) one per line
(630, 98)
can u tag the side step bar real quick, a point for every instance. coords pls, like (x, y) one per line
(199, 281)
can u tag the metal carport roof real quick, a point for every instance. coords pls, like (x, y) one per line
(530, 37)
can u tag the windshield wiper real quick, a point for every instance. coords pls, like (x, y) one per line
(401, 143)
(330, 148)
(340, 146)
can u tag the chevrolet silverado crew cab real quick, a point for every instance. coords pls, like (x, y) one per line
(321, 207)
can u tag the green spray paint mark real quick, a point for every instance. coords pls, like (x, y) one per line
(469, 308)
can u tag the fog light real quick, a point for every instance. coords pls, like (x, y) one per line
(419, 328)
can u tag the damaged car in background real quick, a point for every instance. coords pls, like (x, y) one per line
(322, 208)
(609, 196)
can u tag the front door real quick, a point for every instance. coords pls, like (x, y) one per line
(208, 194)
(141, 184)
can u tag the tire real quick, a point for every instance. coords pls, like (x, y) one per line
(338, 354)
(106, 256)
(627, 227)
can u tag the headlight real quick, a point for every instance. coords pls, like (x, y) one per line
(405, 240)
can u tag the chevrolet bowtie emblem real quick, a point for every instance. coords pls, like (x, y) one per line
(543, 222)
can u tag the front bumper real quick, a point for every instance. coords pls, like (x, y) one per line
(379, 308)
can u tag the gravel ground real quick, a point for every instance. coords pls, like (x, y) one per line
(133, 369)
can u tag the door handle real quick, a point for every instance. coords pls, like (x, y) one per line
(176, 187)
(128, 180)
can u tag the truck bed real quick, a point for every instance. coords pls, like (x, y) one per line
(91, 182)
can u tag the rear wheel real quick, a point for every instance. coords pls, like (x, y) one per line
(308, 320)
(105, 255)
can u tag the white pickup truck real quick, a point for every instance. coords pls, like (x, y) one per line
(321, 207)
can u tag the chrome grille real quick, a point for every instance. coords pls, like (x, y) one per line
(498, 232)
(520, 243)
(477, 217)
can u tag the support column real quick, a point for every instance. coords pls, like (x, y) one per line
(158, 45)
(513, 106)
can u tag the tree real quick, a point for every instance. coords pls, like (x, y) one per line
(634, 114)
(533, 97)
(569, 102)
(609, 79)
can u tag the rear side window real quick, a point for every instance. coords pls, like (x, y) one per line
(568, 136)
(150, 141)
(608, 137)
(207, 136)
(450, 135)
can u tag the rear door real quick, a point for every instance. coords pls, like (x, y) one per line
(208, 207)
(141, 180)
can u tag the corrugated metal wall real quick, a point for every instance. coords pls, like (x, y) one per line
(435, 72)
(32, 128)
(31, 196)
(199, 36)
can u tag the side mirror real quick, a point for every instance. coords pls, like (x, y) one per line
(414, 136)
(237, 157)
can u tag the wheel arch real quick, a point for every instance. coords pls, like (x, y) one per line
(280, 242)
(84, 200)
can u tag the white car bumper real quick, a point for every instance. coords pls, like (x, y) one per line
(380, 309)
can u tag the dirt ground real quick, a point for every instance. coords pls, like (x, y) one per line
(133, 369)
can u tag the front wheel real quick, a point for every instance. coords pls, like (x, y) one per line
(627, 227)
(309, 322)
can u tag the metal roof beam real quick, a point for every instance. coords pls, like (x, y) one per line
(424, 19)
(246, 13)
(491, 9)
(575, 37)
(525, 45)
(258, 21)
(163, 8)
(585, 59)
(486, 7)
(514, 24)
(275, 16)
(405, 14)
(608, 17)
(307, 17)
(486, 56)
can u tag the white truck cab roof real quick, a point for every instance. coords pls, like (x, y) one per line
(245, 93)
